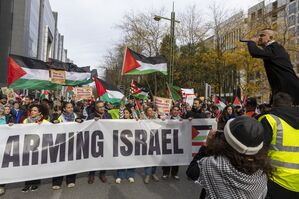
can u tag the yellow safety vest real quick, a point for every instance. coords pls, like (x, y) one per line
(61, 118)
(26, 122)
(284, 153)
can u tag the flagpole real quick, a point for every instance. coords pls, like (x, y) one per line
(125, 54)
(170, 95)
(149, 87)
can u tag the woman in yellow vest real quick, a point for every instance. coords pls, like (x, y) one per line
(37, 113)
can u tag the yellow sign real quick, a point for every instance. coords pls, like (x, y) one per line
(83, 93)
(57, 76)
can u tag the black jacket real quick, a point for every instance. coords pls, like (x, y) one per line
(279, 69)
(195, 113)
(288, 114)
(106, 115)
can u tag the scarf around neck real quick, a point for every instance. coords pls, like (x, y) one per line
(69, 117)
(34, 119)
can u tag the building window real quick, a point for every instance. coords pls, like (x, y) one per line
(253, 16)
(292, 8)
(259, 13)
(292, 30)
(291, 20)
(274, 5)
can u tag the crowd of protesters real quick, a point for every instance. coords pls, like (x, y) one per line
(248, 170)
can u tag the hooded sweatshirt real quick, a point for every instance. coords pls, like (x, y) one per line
(288, 114)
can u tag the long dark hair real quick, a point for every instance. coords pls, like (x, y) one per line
(247, 164)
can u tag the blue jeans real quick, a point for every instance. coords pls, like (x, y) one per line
(125, 173)
(150, 170)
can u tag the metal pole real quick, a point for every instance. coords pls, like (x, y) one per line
(172, 45)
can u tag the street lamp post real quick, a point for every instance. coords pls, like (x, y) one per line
(172, 41)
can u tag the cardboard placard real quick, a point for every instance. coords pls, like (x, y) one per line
(163, 104)
(83, 93)
(57, 76)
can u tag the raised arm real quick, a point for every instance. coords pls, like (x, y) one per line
(257, 52)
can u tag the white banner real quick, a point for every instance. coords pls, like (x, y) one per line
(33, 151)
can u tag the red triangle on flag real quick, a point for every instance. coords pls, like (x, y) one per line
(101, 90)
(130, 62)
(15, 71)
(237, 101)
(216, 100)
(195, 133)
(69, 88)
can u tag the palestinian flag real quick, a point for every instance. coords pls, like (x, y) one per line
(174, 92)
(70, 90)
(107, 92)
(44, 94)
(219, 103)
(137, 64)
(199, 137)
(28, 73)
(74, 75)
(138, 91)
(237, 102)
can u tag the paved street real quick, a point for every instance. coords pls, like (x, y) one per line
(164, 189)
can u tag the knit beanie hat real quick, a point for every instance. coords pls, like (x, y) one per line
(244, 134)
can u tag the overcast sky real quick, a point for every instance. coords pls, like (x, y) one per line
(89, 25)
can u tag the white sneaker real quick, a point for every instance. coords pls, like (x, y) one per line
(176, 177)
(2, 191)
(155, 177)
(56, 187)
(164, 177)
(118, 181)
(147, 179)
(131, 180)
(71, 185)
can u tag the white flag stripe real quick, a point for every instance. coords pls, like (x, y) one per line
(146, 66)
(114, 94)
(36, 74)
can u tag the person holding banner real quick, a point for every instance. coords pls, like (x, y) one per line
(99, 113)
(10, 119)
(36, 116)
(2, 122)
(174, 115)
(150, 171)
(129, 173)
(67, 115)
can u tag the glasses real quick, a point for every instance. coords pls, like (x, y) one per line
(262, 35)
(176, 109)
(99, 107)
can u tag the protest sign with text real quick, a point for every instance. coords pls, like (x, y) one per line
(32, 151)
(163, 104)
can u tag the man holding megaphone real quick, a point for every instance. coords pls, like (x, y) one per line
(278, 66)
